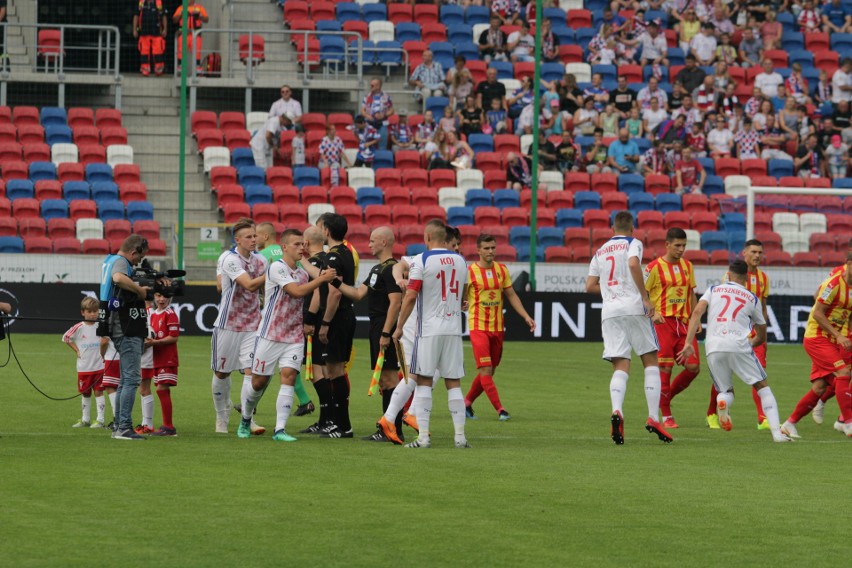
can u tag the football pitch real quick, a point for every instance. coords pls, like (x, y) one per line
(547, 488)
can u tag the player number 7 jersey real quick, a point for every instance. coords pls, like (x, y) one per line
(440, 277)
(610, 264)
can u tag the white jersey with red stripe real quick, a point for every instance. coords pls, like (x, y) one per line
(239, 309)
(439, 276)
(732, 311)
(84, 336)
(611, 264)
(111, 353)
(282, 315)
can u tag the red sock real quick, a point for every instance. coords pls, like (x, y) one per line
(758, 405)
(683, 380)
(474, 392)
(491, 391)
(844, 397)
(665, 398)
(165, 396)
(804, 407)
(711, 408)
(829, 392)
(407, 404)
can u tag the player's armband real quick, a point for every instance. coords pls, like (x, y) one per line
(415, 285)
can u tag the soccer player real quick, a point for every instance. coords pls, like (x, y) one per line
(337, 327)
(828, 345)
(112, 375)
(615, 273)
(384, 298)
(147, 398)
(488, 282)
(267, 245)
(280, 337)
(670, 281)
(735, 325)
(83, 340)
(165, 328)
(436, 281)
(242, 272)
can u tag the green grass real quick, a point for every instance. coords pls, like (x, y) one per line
(547, 488)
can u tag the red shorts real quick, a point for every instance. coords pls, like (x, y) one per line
(487, 348)
(826, 357)
(112, 374)
(89, 381)
(760, 353)
(671, 335)
(148, 374)
(166, 376)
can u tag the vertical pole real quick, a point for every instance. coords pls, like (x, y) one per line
(183, 117)
(750, 212)
(539, 18)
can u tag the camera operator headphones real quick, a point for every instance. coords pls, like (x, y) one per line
(143, 246)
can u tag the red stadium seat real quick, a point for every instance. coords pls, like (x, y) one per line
(209, 137)
(397, 196)
(66, 245)
(411, 234)
(25, 207)
(114, 135)
(252, 49)
(295, 10)
(546, 217)
(8, 134)
(408, 160)
(570, 54)
(778, 57)
(488, 161)
(694, 203)
(603, 183)
(400, 13)
(514, 216)
(313, 194)
(283, 195)
(237, 139)
(425, 14)
(31, 134)
(828, 61)
(442, 178)
(32, 227)
(698, 257)
(833, 258)
(762, 222)
(203, 120)
(341, 120)
(234, 211)
(92, 154)
(8, 226)
(560, 199)
(36, 153)
(505, 253)
(430, 212)
(132, 191)
(579, 19)
(424, 196)
(600, 237)
(11, 151)
(264, 213)
(649, 220)
(678, 219)
(358, 27)
(58, 228)
(727, 166)
(558, 254)
(14, 170)
(232, 121)
(632, 72)
(25, 115)
(87, 135)
(821, 242)
(778, 258)
(71, 172)
(5, 115)
(343, 195)
(596, 219)
(720, 258)
(126, 173)
(48, 189)
(352, 213)
(704, 221)
(526, 198)
(485, 216)
(657, 183)
(614, 201)
(314, 122)
(505, 143)
(38, 245)
(495, 180)
(405, 215)
(295, 213)
(148, 229)
(771, 240)
(117, 229)
(83, 209)
(377, 215)
(97, 246)
(156, 247)
(109, 117)
(388, 177)
(817, 41)
(753, 167)
(577, 181)
(80, 116)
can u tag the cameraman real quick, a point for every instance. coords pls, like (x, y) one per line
(124, 319)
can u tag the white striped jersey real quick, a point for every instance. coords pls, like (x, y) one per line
(239, 309)
(282, 315)
(620, 295)
(732, 311)
(439, 276)
(85, 337)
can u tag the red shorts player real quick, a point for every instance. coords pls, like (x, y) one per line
(165, 330)
(83, 339)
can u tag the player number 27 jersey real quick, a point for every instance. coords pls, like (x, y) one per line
(731, 312)
(439, 276)
(620, 295)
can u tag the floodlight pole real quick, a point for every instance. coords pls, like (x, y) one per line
(539, 18)
(182, 158)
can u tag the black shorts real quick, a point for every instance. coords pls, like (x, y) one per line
(318, 349)
(391, 360)
(341, 332)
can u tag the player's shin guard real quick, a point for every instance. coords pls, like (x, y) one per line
(844, 397)
(423, 398)
(758, 404)
(148, 411)
(299, 388)
(491, 392)
(711, 407)
(770, 409)
(617, 389)
(86, 402)
(340, 386)
(652, 391)
(665, 391)
(249, 400)
(401, 395)
(283, 406)
(683, 380)
(100, 406)
(221, 395)
(165, 396)
(475, 390)
(455, 402)
(805, 405)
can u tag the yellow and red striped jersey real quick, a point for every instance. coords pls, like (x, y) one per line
(836, 295)
(757, 283)
(485, 296)
(355, 256)
(670, 286)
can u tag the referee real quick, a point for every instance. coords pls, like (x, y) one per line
(315, 308)
(384, 299)
(337, 327)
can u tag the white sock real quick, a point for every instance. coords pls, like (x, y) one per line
(455, 402)
(423, 400)
(728, 397)
(250, 401)
(617, 389)
(221, 395)
(148, 411)
(770, 408)
(283, 405)
(100, 406)
(652, 391)
(87, 408)
(112, 397)
(400, 396)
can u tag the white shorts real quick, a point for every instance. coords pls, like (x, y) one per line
(438, 354)
(269, 353)
(723, 366)
(261, 158)
(148, 358)
(626, 333)
(232, 350)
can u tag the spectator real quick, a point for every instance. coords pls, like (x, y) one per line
(687, 29)
(654, 160)
(438, 152)
(549, 43)
(654, 47)
(459, 153)
(720, 140)
(612, 19)
(586, 118)
(623, 97)
(725, 52)
(756, 10)
(401, 134)
(836, 18)
(525, 121)
(428, 78)
(703, 45)
(570, 94)
(551, 101)
(689, 174)
(599, 42)
(770, 31)
(729, 101)
(721, 77)
(652, 92)
(509, 11)
(825, 132)
(769, 79)
(673, 155)
(518, 171)
(377, 107)
(521, 97)
(754, 105)
(470, 117)
(606, 55)
(691, 76)
(751, 49)
(425, 135)
(689, 112)
(297, 155)
(460, 88)
(266, 140)
(332, 154)
(492, 42)
(779, 101)
(596, 157)
(652, 117)
(837, 157)
(841, 82)
(497, 118)
(747, 142)
(623, 154)
(490, 89)
(671, 131)
(696, 141)
(288, 107)
(368, 139)
(567, 154)
(797, 86)
(521, 44)
(598, 92)
(806, 127)
(788, 120)
(771, 140)
(705, 96)
(720, 23)
(676, 98)
(448, 121)
(546, 152)
(459, 62)
(634, 125)
(810, 160)
(627, 43)
(609, 121)
(809, 18)
(824, 92)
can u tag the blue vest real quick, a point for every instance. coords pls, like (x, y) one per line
(107, 285)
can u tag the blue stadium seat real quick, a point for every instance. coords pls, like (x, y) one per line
(792, 40)
(676, 56)
(585, 35)
(505, 70)
(443, 52)
(713, 185)
(841, 43)
(437, 105)
(788, 21)
(451, 15)
(631, 183)
(389, 55)
(374, 12)
(383, 159)
(457, 33)
(369, 196)
(643, 143)
(251, 175)
(305, 175)
(552, 71)
(668, 202)
(780, 168)
(555, 15)
(608, 72)
(478, 198)
(72, 190)
(468, 49)
(407, 31)
(733, 222)
(736, 240)
(519, 236)
(332, 50)
(57, 134)
(98, 172)
(241, 157)
(709, 165)
(569, 218)
(258, 193)
(348, 12)
(104, 190)
(506, 198)
(551, 237)
(648, 72)
(53, 116)
(42, 171)
(524, 253)
(110, 210)
(411, 250)
(54, 209)
(477, 15)
(329, 26)
(801, 56)
(657, 15)
(587, 200)
(565, 35)
(481, 143)
(640, 201)
(842, 183)
(714, 240)
(19, 189)
(369, 53)
(460, 216)
(11, 244)
(140, 211)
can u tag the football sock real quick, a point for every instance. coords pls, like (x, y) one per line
(761, 414)
(283, 406)
(617, 389)
(711, 408)
(680, 382)
(112, 397)
(770, 408)
(491, 391)
(652, 391)
(400, 396)
(844, 397)
(299, 387)
(323, 388)
(805, 405)
(728, 397)
(252, 397)
(87, 408)
(455, 402)
(386, 397)
(423, 398)
(341, 402)
(221, 394)
(665, 391)
(829, 392)
(474, 392)
(165, 396)
(148, 411)
(100, 406)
